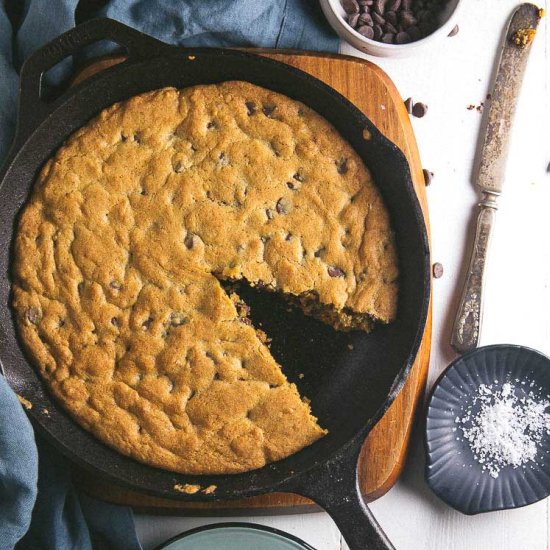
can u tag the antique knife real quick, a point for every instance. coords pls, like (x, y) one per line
(490, 175)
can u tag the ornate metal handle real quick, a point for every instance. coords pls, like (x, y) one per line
(467, 325)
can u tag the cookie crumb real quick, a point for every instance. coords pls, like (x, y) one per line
(187, 488)
(350, 346)
(367, 135)
(210, 489)
(523, 37)
(301, 376)
(25, 402)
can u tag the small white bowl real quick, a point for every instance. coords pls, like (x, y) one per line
(336, 16)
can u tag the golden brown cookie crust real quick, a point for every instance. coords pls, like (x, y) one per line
(127, 231)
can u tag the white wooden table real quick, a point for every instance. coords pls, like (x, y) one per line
(517, 307)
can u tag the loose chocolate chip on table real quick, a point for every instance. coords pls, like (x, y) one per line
(388, 38)
(402, 38)
(428, 176)
(437, 270)
(353, 19)
(419, 109)
(454, 31)
(409, 105)
(335, 271)
(350, 6)
(366, 31)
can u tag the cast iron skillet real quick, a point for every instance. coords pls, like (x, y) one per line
(349, 389)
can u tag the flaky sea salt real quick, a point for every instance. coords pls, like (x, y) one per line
(504, 426)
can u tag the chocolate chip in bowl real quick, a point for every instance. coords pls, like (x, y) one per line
(391, 28)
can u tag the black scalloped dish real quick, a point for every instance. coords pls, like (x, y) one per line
(451, 469)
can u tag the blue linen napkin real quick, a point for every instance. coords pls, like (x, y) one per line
(39, 507)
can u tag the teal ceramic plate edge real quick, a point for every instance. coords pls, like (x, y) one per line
(235, 536)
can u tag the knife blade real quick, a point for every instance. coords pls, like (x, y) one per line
(492, 166)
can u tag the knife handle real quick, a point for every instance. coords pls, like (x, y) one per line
(467, 325)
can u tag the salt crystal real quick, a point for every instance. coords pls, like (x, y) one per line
(507, 429)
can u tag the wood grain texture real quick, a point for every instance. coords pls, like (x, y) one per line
(383, 454)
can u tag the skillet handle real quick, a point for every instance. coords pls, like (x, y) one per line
(335, 487)
(32, 107)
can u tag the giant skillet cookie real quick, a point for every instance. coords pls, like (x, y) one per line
(122, 245)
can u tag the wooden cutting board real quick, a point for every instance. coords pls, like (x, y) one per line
(383, 454)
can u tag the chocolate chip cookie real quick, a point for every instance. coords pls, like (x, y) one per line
(126, 236)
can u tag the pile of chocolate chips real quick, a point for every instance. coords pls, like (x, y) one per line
(394, 21)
